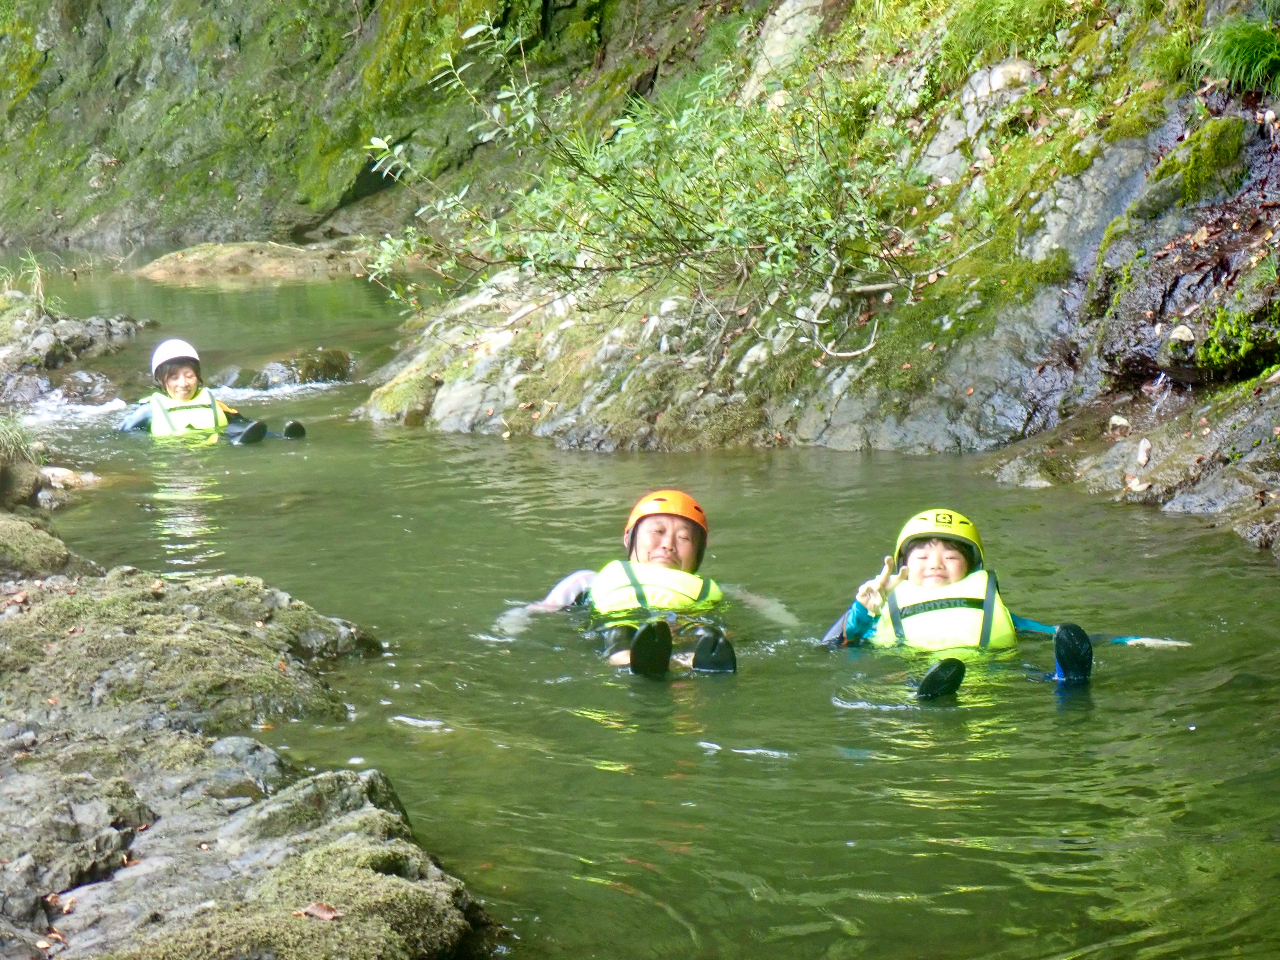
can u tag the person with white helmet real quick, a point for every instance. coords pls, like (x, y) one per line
(943, 597)
(186, 407)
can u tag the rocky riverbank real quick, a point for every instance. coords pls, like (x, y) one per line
(140, 822)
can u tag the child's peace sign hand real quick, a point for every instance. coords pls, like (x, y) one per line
(874, 592)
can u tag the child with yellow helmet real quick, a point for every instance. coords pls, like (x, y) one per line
(638, 598)
(943, 597)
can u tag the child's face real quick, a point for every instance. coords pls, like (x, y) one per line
(667, 541)
(182, 383)
(936, 563)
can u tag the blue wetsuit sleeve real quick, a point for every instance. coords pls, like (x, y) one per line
(857, 624)
(139, 418)
(1023, 625)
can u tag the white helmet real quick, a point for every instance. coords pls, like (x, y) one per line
(173, 350)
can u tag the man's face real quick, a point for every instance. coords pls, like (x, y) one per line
(936, 563)
(667, 541)
(181, 383)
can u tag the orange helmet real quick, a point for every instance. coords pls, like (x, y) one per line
(674, 502)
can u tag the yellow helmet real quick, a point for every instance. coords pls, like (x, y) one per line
(943, 524)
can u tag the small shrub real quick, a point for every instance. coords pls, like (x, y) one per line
(1246, 53)
(695, 191)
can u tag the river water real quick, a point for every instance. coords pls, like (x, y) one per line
(806, 807)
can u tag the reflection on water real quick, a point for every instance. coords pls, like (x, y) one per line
(181, 515)
(807, 807)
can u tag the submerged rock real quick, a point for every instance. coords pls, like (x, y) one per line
(315, 366)
(212, 262)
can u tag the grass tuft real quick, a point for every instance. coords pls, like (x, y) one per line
(15, 442)
(1171, 58)
(1246, 53)
(994, 29)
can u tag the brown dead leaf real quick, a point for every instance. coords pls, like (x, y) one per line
(1150, 85)
(319, 910)
(906, 366)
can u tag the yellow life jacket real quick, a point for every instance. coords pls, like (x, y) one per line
(201, 413)
(623, 585)
(968, 613)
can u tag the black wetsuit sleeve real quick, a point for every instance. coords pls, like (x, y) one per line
(835, 637)
(139, 418)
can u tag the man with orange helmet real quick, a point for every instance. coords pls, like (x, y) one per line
(665, 538)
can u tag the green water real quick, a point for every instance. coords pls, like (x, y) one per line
(805, 807)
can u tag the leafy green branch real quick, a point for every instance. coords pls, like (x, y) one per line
(701, 194)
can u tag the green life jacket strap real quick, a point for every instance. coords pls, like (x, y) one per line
(641, 600)
(705, 590)
(165, 413)
(895, 615)
(988, 610)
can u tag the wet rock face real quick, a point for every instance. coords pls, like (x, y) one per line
(1194, 451)
(1189, 295)
(247, 120)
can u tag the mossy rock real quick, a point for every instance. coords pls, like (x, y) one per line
(322, 366)
(1208, 166)
(20, 481)
(219, 652)
(27, 550)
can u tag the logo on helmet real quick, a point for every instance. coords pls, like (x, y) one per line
(943, 518)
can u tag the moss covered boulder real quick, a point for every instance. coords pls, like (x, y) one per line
(136, 819)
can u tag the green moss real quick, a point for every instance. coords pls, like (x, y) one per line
(1206, 164)
(1142, 112)
(28, 550)
(1233, 336)
(1116, 229)
(387, 912)
(134, 643)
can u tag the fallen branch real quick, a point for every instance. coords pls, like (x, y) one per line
(826, 348)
